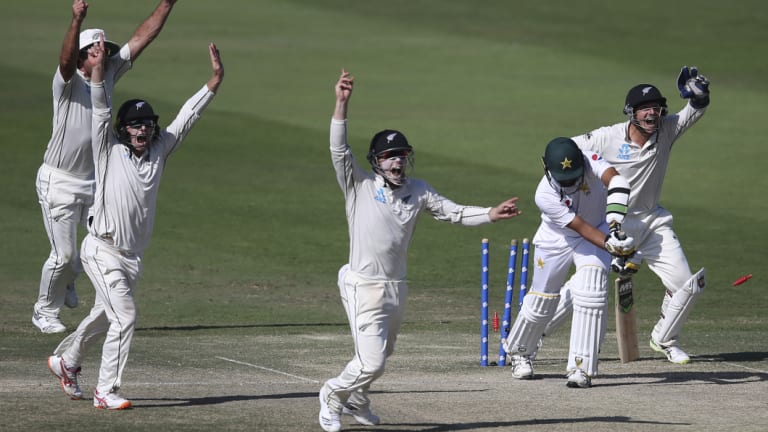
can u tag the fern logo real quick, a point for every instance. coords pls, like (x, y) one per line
(623, 152)
(380, 196)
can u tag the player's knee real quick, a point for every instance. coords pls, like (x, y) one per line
(62, 258)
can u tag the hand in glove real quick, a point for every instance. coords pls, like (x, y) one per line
(693, 86)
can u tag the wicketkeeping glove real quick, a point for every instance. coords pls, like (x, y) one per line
(693, 86)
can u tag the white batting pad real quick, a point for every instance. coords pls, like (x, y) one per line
(675, 311)
(563, 312)
(590, 307)
(538, 308)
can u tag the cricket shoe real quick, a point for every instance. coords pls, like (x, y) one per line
(673, 352)
(522, 368)
(110, 401)
(47, 324)
(329, 419)
(364, 416)
(70, 298)
(67, 376)
(577, 378)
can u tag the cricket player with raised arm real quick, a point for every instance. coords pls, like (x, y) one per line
(581, 198)
(129, 161)
(382, 208)
(65, 182)
(640, 148)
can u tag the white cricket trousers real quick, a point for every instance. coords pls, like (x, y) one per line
(658, 246)
(114, 275)
(64, 201)
(375, 311)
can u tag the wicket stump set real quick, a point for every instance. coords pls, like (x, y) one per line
(508, 297)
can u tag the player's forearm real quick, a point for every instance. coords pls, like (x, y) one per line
(588, 232)
(150, 28)
(340, 111)
(69, 51)
(199, 101)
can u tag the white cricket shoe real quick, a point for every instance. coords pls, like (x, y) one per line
(673, 352)
(577, 378)
(364, 416)
(110, 401)
(329, 419)
(47, 324)
(67, 376)
(70, 298)
(522, 367)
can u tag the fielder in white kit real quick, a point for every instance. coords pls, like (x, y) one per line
(382, 209)
(581, 198)
(640, 148)
(65, 181)
(129, 161)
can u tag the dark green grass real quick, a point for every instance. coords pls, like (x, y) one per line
(250, 229)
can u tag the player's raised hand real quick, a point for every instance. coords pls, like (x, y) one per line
(506, 210)
(344, 86)
(691, 84)
(217, 66)
(343, 89)
(99, 54)
(79, 10)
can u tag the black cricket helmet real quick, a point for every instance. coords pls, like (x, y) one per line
(131, 111)
(642, 94)
(387, 140)
(391, 143)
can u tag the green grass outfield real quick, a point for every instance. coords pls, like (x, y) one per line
(239, 318)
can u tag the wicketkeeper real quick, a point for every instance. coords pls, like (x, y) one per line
(640, 149)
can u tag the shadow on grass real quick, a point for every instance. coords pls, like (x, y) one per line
(213, 400)
(718, 378)
(440, 427)
(734, 357)
(238, 326)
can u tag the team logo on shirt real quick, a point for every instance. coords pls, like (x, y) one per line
(380, 196)
(540, 263)
(623, 152)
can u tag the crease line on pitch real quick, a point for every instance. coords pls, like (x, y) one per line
(268, 369)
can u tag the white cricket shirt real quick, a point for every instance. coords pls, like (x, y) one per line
(69, 148)
(643, 167)
(558, 209)
(123, 211)
(382, 220)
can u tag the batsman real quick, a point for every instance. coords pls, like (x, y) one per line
(640, 149)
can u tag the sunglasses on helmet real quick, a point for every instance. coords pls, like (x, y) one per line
(399, 153)
(138, 123)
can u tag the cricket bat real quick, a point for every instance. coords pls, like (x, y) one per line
(626, 320)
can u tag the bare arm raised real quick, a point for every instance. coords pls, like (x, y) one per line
(150, 28)
(343, 94)
(70, 48)
(218, 68)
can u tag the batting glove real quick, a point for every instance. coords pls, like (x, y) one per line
(623, 266)
(693, 86)
(617, 243)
